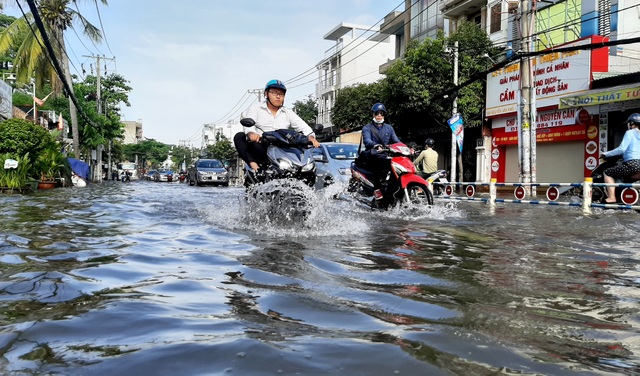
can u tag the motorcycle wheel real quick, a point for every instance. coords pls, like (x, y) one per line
(353, 185)
(419, 195)
(597, 194)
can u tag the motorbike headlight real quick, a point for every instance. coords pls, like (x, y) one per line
(284, 164)
(399, 169)
(309, 167)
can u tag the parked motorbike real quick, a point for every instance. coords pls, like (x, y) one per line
(598, 194)
(401, 185)
(437, 181)
(289, 163)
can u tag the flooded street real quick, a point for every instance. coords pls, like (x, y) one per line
(167, 279)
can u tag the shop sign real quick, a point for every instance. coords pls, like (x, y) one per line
(551, 134)
(601, 97)
(555, 74)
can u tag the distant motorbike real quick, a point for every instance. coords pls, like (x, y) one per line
(126, 177)
(289, 160)
(401, 186)
(182, 176)
(437, 181)
(598, 194)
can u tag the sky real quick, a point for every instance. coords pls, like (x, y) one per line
(192, 62)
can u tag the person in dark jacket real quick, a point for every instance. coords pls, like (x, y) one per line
(375, 136)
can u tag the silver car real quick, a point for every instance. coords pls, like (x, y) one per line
(208, 171)
(333, 162)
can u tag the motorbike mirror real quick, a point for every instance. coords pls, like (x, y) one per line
(247, 122)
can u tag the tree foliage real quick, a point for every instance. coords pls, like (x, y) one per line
(150, 151)
(307, 109)
(414, 85)
(20, 137)
(352, 108)
(222, 149)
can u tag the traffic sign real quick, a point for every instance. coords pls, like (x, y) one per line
(553, 193)
(629, 196)
(470, 190)
(448, 190)
(519, 192)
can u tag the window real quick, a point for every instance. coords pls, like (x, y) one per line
(604, 21)
(496, 18)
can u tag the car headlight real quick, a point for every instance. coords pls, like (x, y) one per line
(309, 167)
(344, 171)
(285, 164)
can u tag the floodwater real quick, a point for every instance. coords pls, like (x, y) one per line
(148, 278)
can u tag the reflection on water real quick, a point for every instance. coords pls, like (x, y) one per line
(171, 279)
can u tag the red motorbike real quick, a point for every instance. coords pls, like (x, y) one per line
(401, 186)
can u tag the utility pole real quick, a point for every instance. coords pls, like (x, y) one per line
(454, 146)
(257, 92)
(532, 99)
(525, 97)
(97, 170)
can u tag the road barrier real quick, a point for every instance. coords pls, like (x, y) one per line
(630, 195)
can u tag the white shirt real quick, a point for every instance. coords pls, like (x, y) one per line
(284, 119)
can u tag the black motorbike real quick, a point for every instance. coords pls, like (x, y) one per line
(289, 170)
(598, 194)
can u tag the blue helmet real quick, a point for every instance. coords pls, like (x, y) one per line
(633, 119)
(379, 107)
(275, 84)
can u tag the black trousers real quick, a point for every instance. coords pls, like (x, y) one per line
(249, 151)
(377, 163)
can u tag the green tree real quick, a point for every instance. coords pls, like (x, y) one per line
(415, 83)
(151, 151)
(307, 109)
(181, 154)
(31, 58)
(222, 149)
(352, 108)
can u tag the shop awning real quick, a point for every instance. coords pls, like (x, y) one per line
(602, 96)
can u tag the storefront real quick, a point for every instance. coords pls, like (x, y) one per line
(614, 105)
(566, 138)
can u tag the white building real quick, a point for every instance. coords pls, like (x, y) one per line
(132, 132)
(355, 59)
(228, 130)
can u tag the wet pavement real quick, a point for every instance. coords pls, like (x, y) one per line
(167, 279)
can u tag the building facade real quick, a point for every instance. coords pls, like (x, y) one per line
(578, 102)
(354, 59)
(132, 131)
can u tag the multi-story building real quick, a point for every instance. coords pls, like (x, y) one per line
(578, 93)
(354, 59)
(132, 131)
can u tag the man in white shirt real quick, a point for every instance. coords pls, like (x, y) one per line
(269, 115)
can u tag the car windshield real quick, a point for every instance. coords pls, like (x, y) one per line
(209, 164)
(343, 151)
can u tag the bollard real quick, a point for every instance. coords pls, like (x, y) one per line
(492, 192)
(586, 195)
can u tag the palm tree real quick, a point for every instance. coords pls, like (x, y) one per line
(31, 58)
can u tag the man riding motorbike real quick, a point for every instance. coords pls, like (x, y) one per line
(269, 115)
(629, 148)
(375, 136)
(428, 159)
